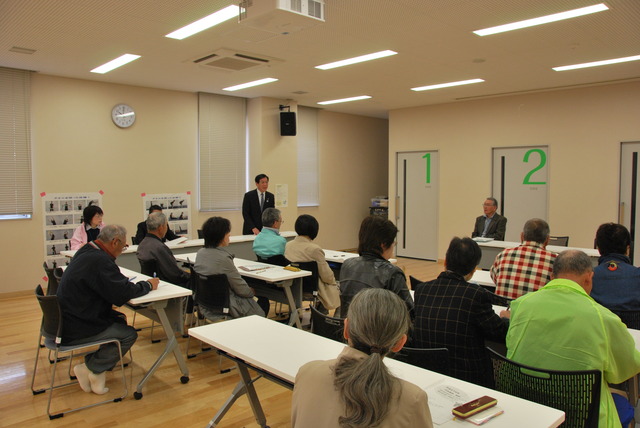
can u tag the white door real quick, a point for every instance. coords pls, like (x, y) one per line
(520, 184)
(417, 205)
(629, 194)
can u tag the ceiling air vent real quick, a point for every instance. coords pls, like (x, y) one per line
(230, 60)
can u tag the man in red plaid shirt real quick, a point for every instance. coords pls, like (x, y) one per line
(521, 270)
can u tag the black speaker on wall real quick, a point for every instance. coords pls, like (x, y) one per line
(287, 123)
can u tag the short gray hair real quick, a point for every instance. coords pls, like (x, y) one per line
(111, 232)
(536, 230)
(270, 216)
(571, 262)
(156, 220)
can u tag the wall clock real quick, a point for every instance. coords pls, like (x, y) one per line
(123, 115)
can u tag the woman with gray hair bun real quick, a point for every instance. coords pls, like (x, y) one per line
(356, 390)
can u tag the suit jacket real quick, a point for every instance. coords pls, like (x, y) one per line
(142, 232)
(497, 227)
(251, 212)
(453, 314)
(316, 403)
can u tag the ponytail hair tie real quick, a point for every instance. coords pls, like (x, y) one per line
(376, 350)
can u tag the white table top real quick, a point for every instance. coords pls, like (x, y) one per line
(482, 277)
(265, 272)
(341, 256)
(164, 291)
(191, 243)
(281, 350)
(591, 252)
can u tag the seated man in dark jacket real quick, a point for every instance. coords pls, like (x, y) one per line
(372, 269)
(454, 314)
(151, 249)
(90, 286)
(142, 227)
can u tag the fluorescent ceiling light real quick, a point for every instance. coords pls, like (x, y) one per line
(447, 85)
(542, 20)
(356, 60)
(250, 84)
(207, 22)
(597, 63)
(345, 100)
(115, 63)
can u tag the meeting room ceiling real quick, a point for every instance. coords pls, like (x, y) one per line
(433, 38)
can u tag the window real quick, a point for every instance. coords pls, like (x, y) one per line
(308, 194)
(16, 193)
(222, 150)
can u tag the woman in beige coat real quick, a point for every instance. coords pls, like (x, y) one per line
(356, 390)
(303, 249)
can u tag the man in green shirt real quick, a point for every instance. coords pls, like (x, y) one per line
(560, 327)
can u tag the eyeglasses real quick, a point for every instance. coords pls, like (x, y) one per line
(125, 246)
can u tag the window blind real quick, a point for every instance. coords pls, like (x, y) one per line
(308, 193)
(15, 144)
(222, 151)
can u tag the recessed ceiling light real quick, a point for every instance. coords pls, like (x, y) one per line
(543, 20)
(115, 63)
(362, 58)
(207, 22)
(597, 63)
(447, 85)
(345, 100)
(250, 84)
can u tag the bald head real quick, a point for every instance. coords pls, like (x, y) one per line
(576, 266)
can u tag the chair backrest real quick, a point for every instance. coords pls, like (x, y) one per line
(51, 315)
(326, 326)
(434, 359)
(212, 292)
(149, 268)
(200, 234)
(278, 260)
(53, 280)
(630, 318)
(134, 241)
(414, 282)
(560, 241)
(577, 393)
(309, 283)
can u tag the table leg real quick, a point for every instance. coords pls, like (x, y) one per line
(244, 386)
(172, 346)
(295, 307)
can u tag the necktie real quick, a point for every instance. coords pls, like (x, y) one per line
(261, 200)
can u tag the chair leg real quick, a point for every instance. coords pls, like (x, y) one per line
(35, 368)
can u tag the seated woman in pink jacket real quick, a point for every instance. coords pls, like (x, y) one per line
(89, 229)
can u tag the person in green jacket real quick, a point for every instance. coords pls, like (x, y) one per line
(560, 327)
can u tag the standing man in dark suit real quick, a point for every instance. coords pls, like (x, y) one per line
(491, 224)
(254, 203)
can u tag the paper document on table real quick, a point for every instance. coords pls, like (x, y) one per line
(481, 239)
(443, 398)
(253, 268)
(176, 241)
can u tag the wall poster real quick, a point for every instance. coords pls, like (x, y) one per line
(62, 215)
(176, 206)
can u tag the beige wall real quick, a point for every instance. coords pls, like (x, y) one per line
(582, 127)
(76, 148)
(350, 151)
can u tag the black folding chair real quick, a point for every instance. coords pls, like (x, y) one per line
(434, 359)
(51, 331)
(53, 278)
(327, 326)
(309, 283)
(577, 393)
(560, 241)
(211, 301)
